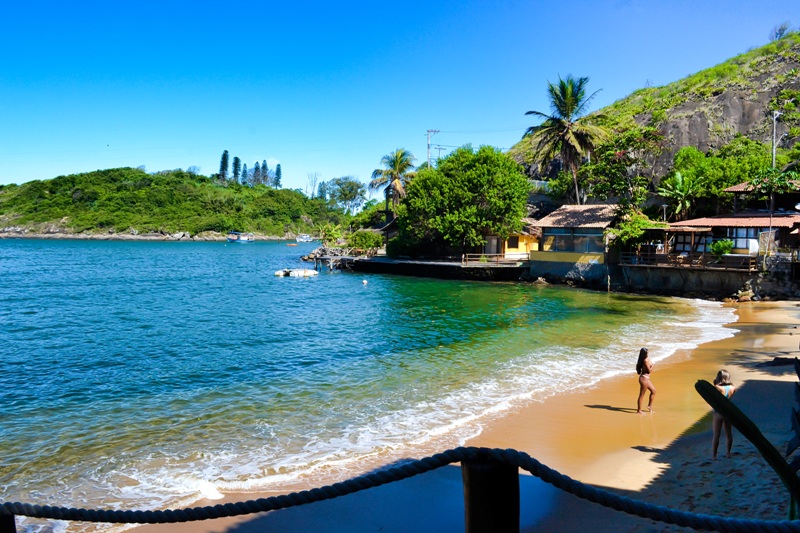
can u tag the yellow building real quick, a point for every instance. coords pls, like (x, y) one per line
(572, 244)
(518, 246)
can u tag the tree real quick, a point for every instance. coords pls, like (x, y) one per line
(734, 163)
(566, 133)
(330, 233)
(631, 229)
(322, 191)
(257, 174)
(278, 176)
(237, 168)
(616, 170)
(223, 166)
(348, 193)
(468, 196)
(245, 174)
(681, 191)
(313, 177)
(394, 177)
(779, 31)
(265, 177)
(370, 215)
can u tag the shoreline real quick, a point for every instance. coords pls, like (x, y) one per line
(595, 436)
(180, 236)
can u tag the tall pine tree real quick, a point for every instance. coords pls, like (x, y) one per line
(237, 167)
(257, 174)
(223, 166)
(278, 176)
(245, 174)
(265, 173)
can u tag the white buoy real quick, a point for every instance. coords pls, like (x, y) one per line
(364, 282)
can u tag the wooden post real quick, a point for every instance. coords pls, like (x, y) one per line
(8, 523)
(491, 497)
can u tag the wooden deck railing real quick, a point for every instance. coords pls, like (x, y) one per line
(739, 262)
(493, 259)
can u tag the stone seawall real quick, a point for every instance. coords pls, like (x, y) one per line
(439, 269)
(683, 281)
(776, 285)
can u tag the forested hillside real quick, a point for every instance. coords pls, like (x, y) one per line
(132, 201)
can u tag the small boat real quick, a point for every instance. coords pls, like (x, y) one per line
(296, 272)
(238, 236)
(304, 237)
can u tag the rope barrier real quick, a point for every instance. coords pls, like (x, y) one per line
(505, 457)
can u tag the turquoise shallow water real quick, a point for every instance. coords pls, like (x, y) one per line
(142, 375)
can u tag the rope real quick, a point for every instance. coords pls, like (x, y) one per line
(401, 472)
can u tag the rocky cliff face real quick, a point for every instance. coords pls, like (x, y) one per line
(711, 123)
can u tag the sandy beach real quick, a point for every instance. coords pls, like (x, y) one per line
(595, 435)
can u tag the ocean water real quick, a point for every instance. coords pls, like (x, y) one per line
(141, 375)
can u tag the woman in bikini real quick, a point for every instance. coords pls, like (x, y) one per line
(723, 384)
(643, 367)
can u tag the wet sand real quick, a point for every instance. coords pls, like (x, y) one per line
(595, 435)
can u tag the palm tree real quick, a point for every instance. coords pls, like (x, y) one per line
(395, 176)
(681, 191)
(566, 132)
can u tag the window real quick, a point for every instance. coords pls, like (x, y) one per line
(589, 240)
(683, 242)
(513, 242)
(741, 236)
(584, 240)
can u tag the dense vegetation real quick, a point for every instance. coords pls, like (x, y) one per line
(128, 199)
(451, 208)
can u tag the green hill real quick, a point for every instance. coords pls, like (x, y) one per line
(708, 109)
(128, 200)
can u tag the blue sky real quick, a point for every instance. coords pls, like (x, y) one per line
(327, 87)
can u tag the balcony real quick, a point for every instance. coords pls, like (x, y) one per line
(649, 259)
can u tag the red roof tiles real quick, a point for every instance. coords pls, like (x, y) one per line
(744, 220)
(745, 187)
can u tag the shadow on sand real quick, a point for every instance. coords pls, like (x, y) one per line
(430, 502)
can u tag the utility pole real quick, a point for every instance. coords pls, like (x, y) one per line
(430, 132)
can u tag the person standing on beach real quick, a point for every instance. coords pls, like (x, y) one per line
(723, 384)
(643, 367)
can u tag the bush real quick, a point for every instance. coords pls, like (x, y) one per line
(365, 240)
(720, 248)
(401, 246)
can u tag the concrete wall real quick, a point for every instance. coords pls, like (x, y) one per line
(442, 270)
(684, 281)
(582, 270)
(779, 282)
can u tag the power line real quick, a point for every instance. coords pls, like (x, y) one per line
(471, 132)
(430, 132)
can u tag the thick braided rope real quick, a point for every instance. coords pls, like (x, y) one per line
(635, 507)
(506, 457)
